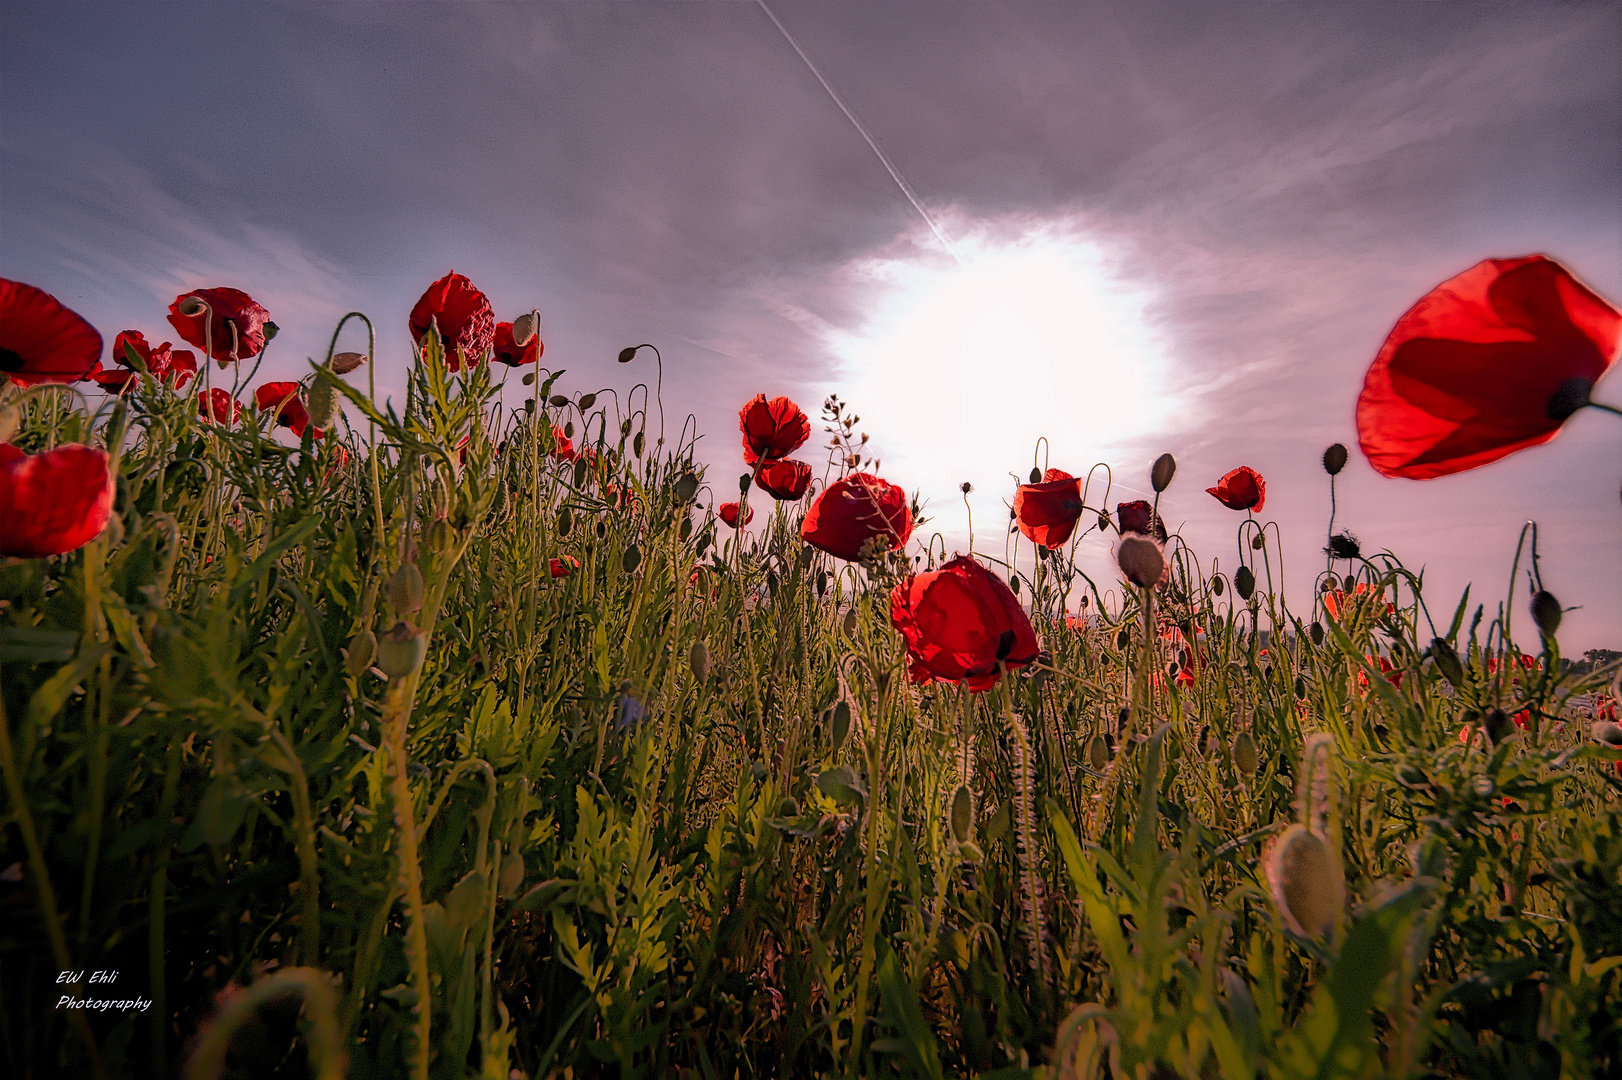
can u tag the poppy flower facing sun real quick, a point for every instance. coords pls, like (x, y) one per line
(53, 502)
(729, 514)
(1487, 363)
(857, 515)
(282, 398)
(40, 340)
(235, 325)
(508, 351)
(959, 623)
(219, 406)
(772, 429)
(1241, 489)
(784, 481)
(463, 316)
(1047, 512)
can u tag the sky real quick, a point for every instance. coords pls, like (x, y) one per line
(1180, 227)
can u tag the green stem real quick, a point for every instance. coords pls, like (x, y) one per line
(309, 884)
(155, 905)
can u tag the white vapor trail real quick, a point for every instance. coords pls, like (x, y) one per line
(895, 174)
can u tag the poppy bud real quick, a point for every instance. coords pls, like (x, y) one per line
(441, 536)
(627, 353)
(1305, 881)
(686, 487)
(529, 405)
(841, 724)
(1036, 477)
(1097, 753)
(602, 529)
(743, 483)
(1316, 631)
(511, 878)
(401, 649)
(1498, 724)
(345, 362)
(1216, 585)
(1334, 459)
(962, 814)
(1123, 639)
(1104, 522)
(1013, 583)
(1165, 467)
(1300, 688)
(405, 589)
(631, 559)
(1607, 732)
(1447, 661)
(698, 659)
(557, 401)
(524, 328)
(850, 623)
(1350, 583)
(706, 538)
(686, 530)
(789, 807)
(1546, 613)
(322, 406)
(822, 583)
(1256, 542)
(270, 330)
(361, 652)
(587, 401)
(1141, 560)
(639, 444)
(1246, 758)
(580, 472)
(1244, 582)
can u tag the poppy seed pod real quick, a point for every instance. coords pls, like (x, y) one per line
(1246, 757)
(1305, 880)
(698, 659)
(401, 650)
(405, 589)
(1334, 459)
(1546, 612)
(1141, 560)
(1165, 467)
(1244, 582)
(361, 652)
(345, 362)
(963, 813)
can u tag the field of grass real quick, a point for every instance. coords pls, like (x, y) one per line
(459, 758)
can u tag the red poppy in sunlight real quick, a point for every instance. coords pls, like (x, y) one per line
(772, 429)
(1487, 363)
(1392, 676)
(182, 366)
(53, 502)
(1241, 489)
(283, 399)
(562, 447)
(959, 623)
(858, 514)
(729, 514)
(236, 324)
(219, 406)
(1139, 517)
(1047, 512)
(561, 568)
(509, 352)
(785, 480)
(40, 340)
(111, 380)
(463, 316)
(1337, 600)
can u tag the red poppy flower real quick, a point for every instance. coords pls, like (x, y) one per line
(219, 406)
(40, 340)
(561, 568)
(729, 514)
(562, 447)
(1392, 676)
(53, 502)
(1241, 489)
(784, 480)
(111, 380)
(1047, 512)
(1487, 363)
(860, 511)
(959, 622)
(463, 316)
(235, 323)
(508, 352)
(1337, 600)
(283, 399)
(1139, 517)
(772, 429)
(182, 366)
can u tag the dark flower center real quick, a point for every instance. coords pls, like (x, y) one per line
(1569, 397)
(1005, 644)
(10, 361)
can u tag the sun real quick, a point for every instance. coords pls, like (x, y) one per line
(961, 368)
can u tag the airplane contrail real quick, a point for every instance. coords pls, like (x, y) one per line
(895, 174)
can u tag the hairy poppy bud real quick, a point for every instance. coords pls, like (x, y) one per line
(1036, 478)
(1013, 583)
(1334, 459)
(1097, 753)
(1165, 467)
(743, 483)
(1316, 631)
(627, 353)
(587, 401)
(361, 652)
(841, 724)
(525, 328)
(345, 362)
(405, 589)
(579, 472)
(698, 659)
(565, 521)
(686, 487)
(511, 878)
(557, 401)
(631, 559)
(1216, 586)
(323, 404)
(1546, 612)
(401, 649)
(441, 536)
(962, 814)
(1300, 688)
(1141, 560)
(1244, 582)
(1305, 879)
(639, 444)
(1447, 661)
(1246, 757)
(850, 623)
(1257, 542)
(789, 807)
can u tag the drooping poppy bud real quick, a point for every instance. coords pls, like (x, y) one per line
(1546, 612)
(1447, 661)
(960, 623)
(1306, 882)
(698, 661)
(345, 362)
(1141, 559)
(1246, 757)
(962, 814)
(1244, 582)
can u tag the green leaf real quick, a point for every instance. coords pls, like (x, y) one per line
(219, 814)
(36, 645)
(842, 785)
(277, 548)
(917, 1042)
(53, 693)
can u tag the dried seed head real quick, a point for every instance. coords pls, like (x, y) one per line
(1165, 467)
(1246, 758)
(1546, 612)
(401, 650)
(1304, 877)
(405, 589)
(1141, 560)
(361, 652)
(345, 362)
(962, 814)
(1334, 459)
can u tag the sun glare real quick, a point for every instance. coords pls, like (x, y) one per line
(961, 369)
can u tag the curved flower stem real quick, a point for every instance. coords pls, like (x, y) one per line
(320, 1005)
(1605, 408)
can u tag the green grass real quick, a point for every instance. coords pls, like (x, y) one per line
(573, 844)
